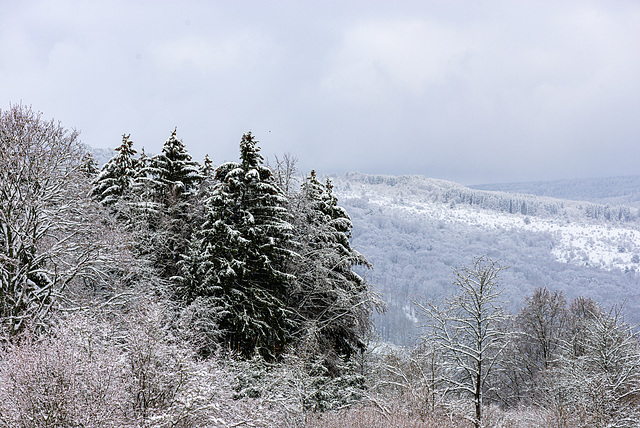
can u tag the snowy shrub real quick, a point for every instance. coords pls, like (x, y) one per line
(61, 380)
(126, 370)
(327, 393)
(198, 325)
(155, 368)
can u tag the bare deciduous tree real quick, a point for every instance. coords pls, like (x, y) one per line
(466, 329)
(40, 160)
(597, 380)
(284, 172)
(51, 233)
(540, 326)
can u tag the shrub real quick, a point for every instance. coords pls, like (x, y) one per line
(59, 380)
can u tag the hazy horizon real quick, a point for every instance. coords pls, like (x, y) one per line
(482, 92)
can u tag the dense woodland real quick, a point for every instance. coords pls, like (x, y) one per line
(160, 291)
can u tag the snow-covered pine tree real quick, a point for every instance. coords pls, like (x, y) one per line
(116, 177)
(143, 162)
(174, 175)
(89, 165)
(331, 297)
(208, 270)
(167, 186)
(207, 169)
(142, 188)
(208, 173)
(242, 251)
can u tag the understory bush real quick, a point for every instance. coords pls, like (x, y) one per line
(102, 370)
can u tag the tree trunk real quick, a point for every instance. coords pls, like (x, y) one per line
(478, 396)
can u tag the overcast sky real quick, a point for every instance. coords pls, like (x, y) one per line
(469, 91)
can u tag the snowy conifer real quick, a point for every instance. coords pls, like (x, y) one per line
(89, 165)
(166, 187)
(331, 297)
(208, 174)
(173, 173)
(116, 177)
(207, 169)
(242, 250)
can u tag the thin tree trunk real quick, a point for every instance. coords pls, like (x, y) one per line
(478, 396)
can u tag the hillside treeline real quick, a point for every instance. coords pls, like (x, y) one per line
(501, 201)
(609, 190)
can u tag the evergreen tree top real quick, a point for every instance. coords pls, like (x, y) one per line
(207, 168)
(124, 160)
(250, 169)
(89, 165)
(117, 175)
(126, 149)
(312, 186)
(143, 155)
(250, 152)
(174, 167)
(175, 149)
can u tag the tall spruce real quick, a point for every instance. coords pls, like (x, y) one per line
(208, 173)
(331, 297)
(207, 169)
(238, 261)
(173, 173)
(117, 176)
(89, 166)
(167, 186)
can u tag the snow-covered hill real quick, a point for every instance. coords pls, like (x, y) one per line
(609, 190)
(415, 230)
(102, 155)
(578, 239)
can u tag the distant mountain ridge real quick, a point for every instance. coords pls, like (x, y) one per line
(422, 189)
(609, 190)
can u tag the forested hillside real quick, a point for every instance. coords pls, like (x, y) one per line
(610, 190)
(160, 291)
(415, 230)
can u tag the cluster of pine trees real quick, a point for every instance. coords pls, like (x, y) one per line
(157, 291)
(250, 267)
